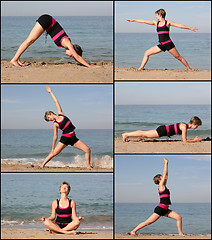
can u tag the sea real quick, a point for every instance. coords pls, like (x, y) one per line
(196, 218)
(194, 47)
(26, 197)
(32, 146)
(93, 34)
(130, 118)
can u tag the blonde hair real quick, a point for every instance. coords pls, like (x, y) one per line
(196, 121)
(161, 12)
(156, 178)
(48, 113)
(69, 187)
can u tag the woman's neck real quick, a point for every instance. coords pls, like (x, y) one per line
(63, 196)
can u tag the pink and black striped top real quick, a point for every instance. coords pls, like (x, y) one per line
(163, 33)
(165, 196)
(65, 125)
(63, 214)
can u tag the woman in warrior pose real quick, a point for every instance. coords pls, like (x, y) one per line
(68, 135)
(64, 210)
(163, 208)
(165, 43)
(168, 130)
(52, 27)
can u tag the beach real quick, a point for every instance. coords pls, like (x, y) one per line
(44, 72)
(160, 236)
(161, 74)
(16, 233)
(7, 167)
(136, 145)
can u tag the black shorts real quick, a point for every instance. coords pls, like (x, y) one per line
(71, 140)
(161, 211)
(161, 130)
(61, 225)
(167, 46)
(45, 21)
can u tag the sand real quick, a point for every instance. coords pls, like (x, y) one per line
(160, 236)
(137, 145)
(43, 72)
(5, 167)
(16, 233)
(161, 74)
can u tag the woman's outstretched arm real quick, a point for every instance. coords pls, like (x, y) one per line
(143, 21)
(165, 172)
(181, 26)
(59, 109)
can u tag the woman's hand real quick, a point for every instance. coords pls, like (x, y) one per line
(165, 160)
(94, 66)
(194, 29)
(130, 20)
(197, 139)
(42, 219)
(48, 89)
(80, 218)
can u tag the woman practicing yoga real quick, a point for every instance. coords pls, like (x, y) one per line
(165, 43)
(163, 208)
(169, 130)
(52, 27)
(65, 211)
(68, 135)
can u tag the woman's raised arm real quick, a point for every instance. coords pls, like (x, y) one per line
(59, 109)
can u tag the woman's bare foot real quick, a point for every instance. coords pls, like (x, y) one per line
(140, 69)
(42, 166)
(89, 167)
(181, 234)
(125, 137)
(15, 63)
(73, 232)
(133, 233)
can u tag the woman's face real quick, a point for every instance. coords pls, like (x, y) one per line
(50, 117)
(158, 17)
(64, 189)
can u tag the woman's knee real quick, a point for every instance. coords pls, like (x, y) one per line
(47, 222)
(179, 218)
(87, 150)
(77, 223)
(147, 54)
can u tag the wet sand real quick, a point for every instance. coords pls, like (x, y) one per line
(160, 236)
(6, 167)
(16, 233)
(155, 146)
(43, 72)
(161, 74)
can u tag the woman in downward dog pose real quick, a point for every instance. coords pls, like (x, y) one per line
(52, 27)
(68, 136)
(169, 130)
(165, 43)
(163, 208)
(64, 210)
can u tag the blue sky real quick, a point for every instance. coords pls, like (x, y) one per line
(189, 178)
(56, 8)
(88, 106)
(190, 13)
(163, 93)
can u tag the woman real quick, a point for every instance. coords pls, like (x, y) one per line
(163, 208)
(52, 27)
(65, 211)
(165, 43)
(68, 136)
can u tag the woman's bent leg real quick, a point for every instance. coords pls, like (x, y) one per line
(55, 228)
(60, 146)
(149, 52)
(176, 54)
(176, 216)
(72, 226)
(82, 146)
(147, 134)
(149, 221)
(33, 36)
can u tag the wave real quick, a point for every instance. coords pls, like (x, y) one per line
(105, 161)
